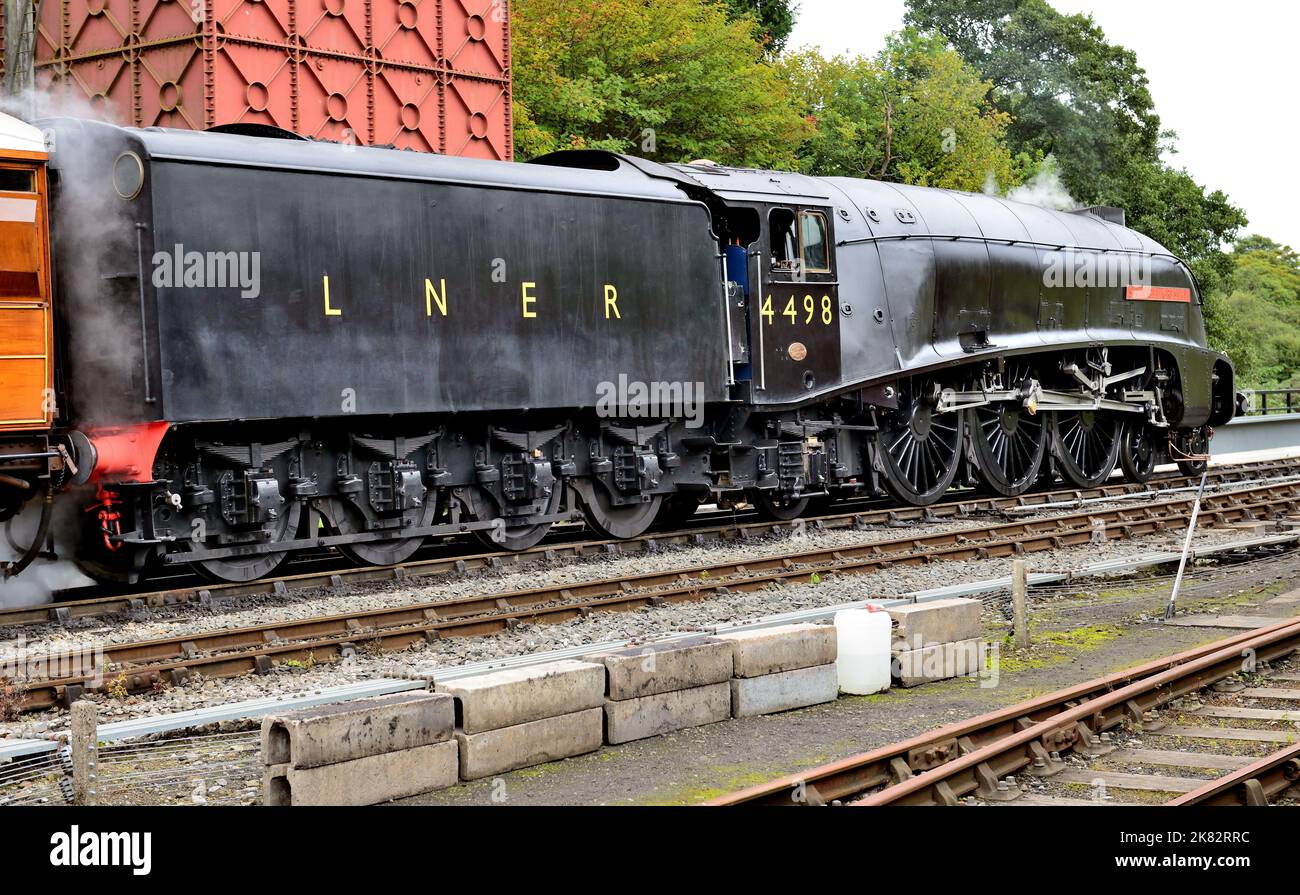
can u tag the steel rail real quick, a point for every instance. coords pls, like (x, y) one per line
(1251, 785)
(978, 770)
(231, 652)
(939, 766)
(95, 607)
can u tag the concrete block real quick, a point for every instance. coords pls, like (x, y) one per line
(918, 625)
(767, 651)
(523, 745)
(937, 662)
(647, 716)
(519, 695)
(364, 781)
(664, 667)
(784, 690)
(329, 734)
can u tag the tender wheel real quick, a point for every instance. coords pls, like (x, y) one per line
(677, 510)
(1086, 446)
(1138, 451)
(346, 519)
(618, 522)
(919, 450)
(777, 508)
(1194, 443)
(511, 538)
(1007, 445)
(256, 565)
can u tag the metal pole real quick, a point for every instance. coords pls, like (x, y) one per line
(1019, 601)
(1187, 546)
(85, 753)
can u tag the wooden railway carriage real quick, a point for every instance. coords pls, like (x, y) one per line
(30, 464)
(271, 344)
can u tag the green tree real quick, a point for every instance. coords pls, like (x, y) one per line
(916, 113)
(1073, 94)
(775, 19)
(1069, 91)
(672, 80)
(1255, 315)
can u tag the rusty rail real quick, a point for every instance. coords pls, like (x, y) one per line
(143, 664)
(971, 757)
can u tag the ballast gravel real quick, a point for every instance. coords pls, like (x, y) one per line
(640, 624)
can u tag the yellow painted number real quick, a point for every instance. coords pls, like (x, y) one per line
(828, 312)
(768, 314)
(790, 311)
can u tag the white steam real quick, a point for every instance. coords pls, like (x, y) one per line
(1044, 189)
(89, 226)
(62, 99)
(39, 581)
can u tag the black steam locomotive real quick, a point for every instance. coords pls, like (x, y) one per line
(269, 344)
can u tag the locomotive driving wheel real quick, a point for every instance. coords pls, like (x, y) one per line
(1007, 445)
(919, 449)
(237, 569)
(1138, 450)
(1086, 444)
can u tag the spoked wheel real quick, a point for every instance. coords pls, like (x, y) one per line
(677, 510)
(508, 537)
(1194, 443)
(919, 449)
(1086, 445)
(1138, 451)
(258, 565)
(777, 508)
(346, 519)
(611, 521)
(1007, 445)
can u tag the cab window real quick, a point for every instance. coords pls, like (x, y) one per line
(785, 248)
(814, 250)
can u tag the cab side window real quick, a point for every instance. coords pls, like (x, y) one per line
(813, 238)
(785, 247)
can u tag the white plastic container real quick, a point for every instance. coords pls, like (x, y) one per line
(863, 637)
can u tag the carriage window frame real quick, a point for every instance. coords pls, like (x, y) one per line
(826, 242)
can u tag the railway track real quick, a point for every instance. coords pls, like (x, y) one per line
(224, 653)
(728, 529)
(1111, 739)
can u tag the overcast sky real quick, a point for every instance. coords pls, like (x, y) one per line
(1224, 76)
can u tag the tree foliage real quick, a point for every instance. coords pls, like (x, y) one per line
(1258, 313)
(1073, 94)
(775, 19)
(673, 80)
(916, 113)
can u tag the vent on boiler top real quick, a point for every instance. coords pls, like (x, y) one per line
(1105, 212)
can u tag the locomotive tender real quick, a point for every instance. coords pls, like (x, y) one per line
(266, 344)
